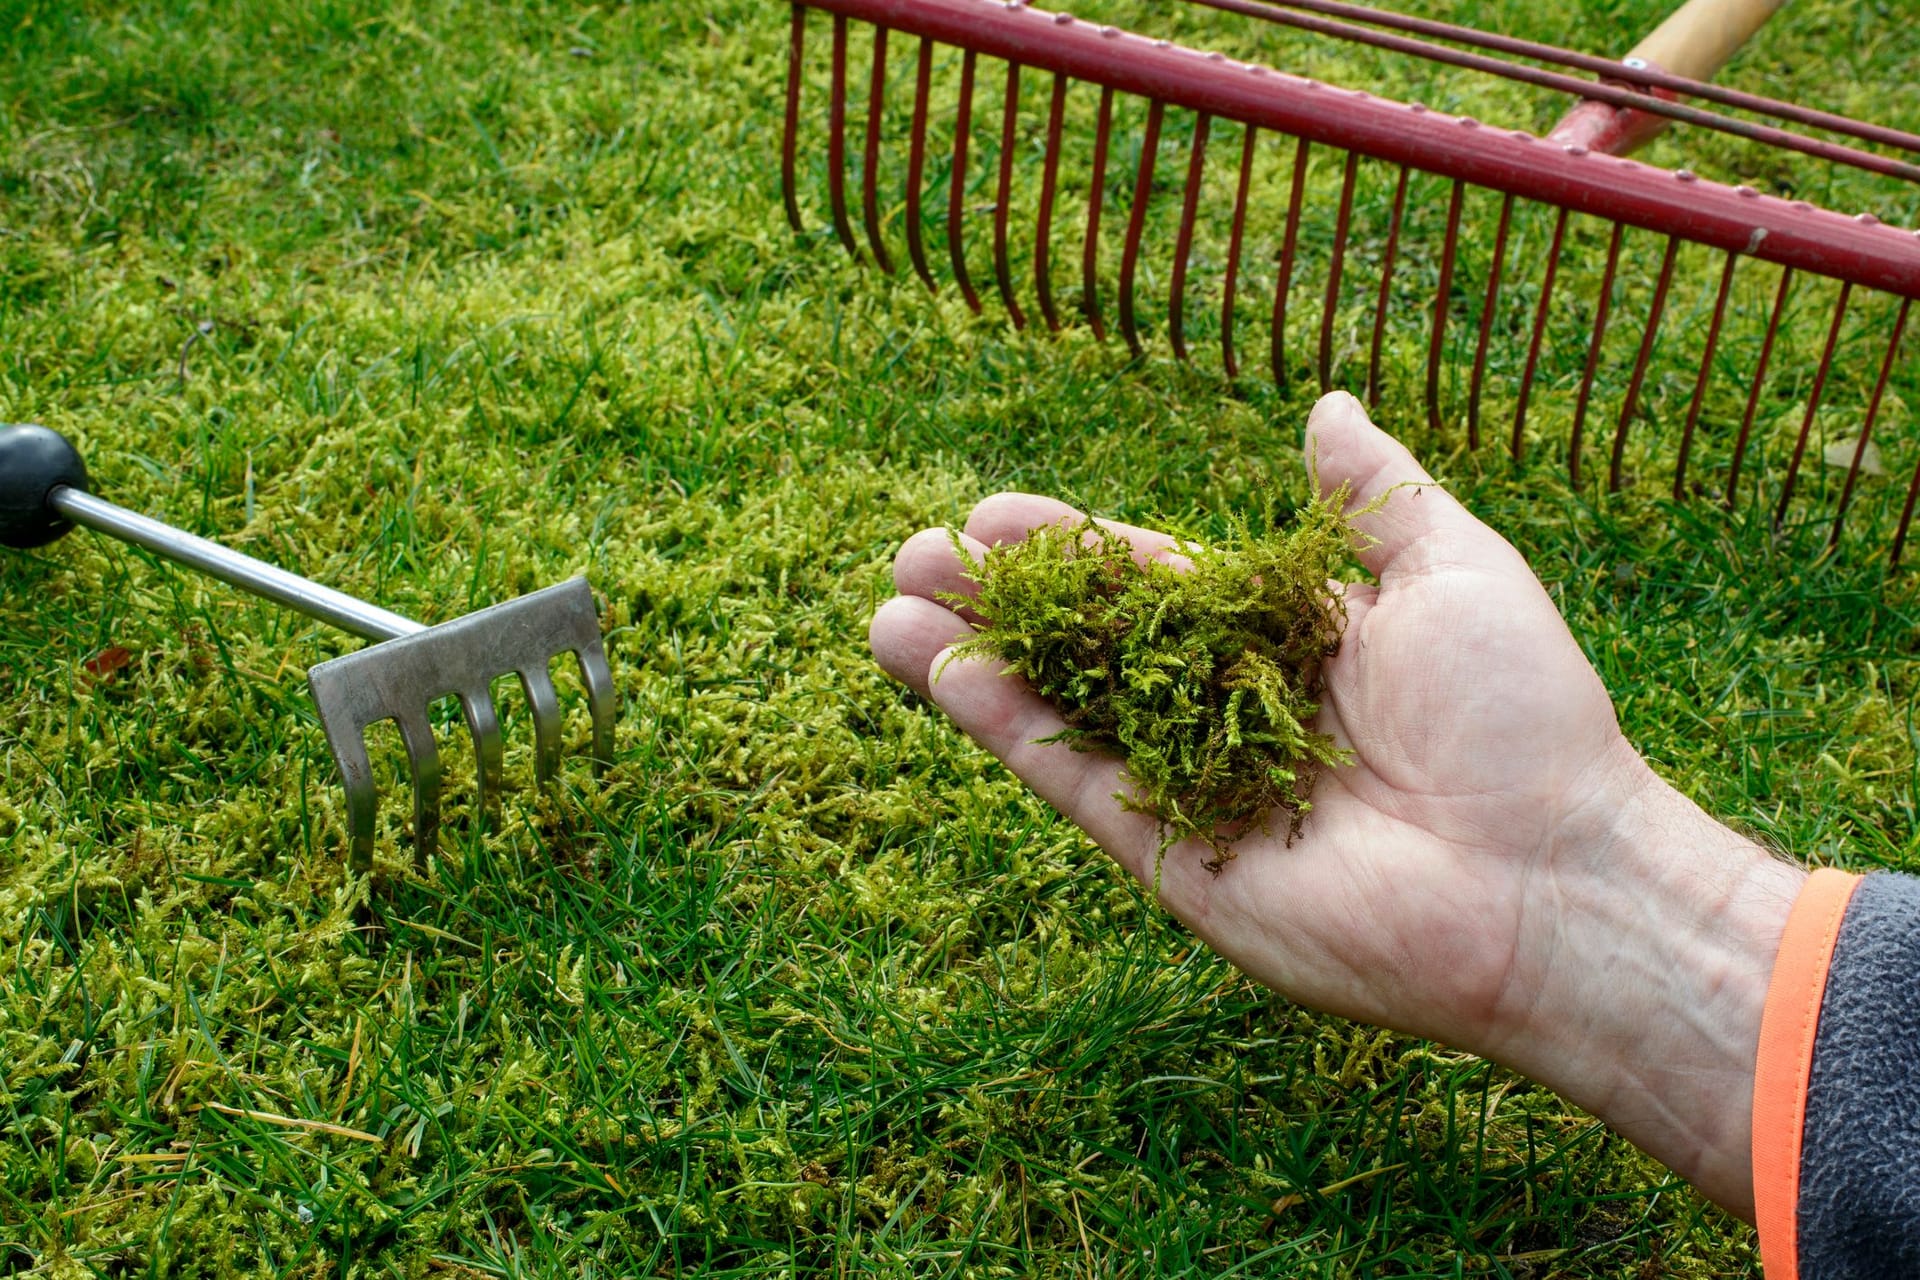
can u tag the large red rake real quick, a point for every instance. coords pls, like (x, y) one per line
(1566, 177)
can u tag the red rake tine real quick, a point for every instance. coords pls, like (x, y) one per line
(1009, 135)
(1096, 195)
(1136, 224)
(1236, 238)
(1043, 222)
(837, 140)
(1183, 246)
(1289, 247)
(1759, 384)
(1602, 309)
(1386, 285)
(870, 171)
(1442, 301)
(1706, 375)
(1813, 403)
(1866, 427)
(917, 164)
(957, 184)
(1489, 307)
(1632, 401)
(1330, 308)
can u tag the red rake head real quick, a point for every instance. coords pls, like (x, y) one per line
(1438, 175)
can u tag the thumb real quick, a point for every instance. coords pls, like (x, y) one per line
(1418, 523)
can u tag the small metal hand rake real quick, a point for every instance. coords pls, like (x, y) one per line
(43, 492)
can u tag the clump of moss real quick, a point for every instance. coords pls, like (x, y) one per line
(1204, 677)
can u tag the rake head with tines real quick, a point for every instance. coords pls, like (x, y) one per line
(43, 492)
(1523, 212)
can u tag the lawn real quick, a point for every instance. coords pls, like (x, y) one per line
(441, 303)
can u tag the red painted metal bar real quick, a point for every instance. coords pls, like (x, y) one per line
(1758, 385)
(1096, 193)
(917, 164)
(1649, 77)
(837, 141)
(1858, 250)
(1137, 225)
(1541, 315)
(1613, 94)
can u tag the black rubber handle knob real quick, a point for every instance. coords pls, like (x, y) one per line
(33, 463)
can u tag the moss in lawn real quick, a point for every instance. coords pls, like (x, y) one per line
(1203, 675)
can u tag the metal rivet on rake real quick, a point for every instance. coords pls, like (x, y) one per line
(1418, 108)
(1748, 192)
(1062, 19)
(1575, 149)
(1110, 32)
(1686, 175)
(1866, 219)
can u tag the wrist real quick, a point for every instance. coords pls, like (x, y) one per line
(1666, 927)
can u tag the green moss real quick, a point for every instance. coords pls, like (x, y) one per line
(1204, 676)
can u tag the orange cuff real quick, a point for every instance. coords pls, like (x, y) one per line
(1785, 1067)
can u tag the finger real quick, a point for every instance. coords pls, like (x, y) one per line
(927, 566)
(1010, 517)
(1006, 717)
(1419, 524)
(908, 633)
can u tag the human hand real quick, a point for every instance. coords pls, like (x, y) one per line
(1497, 870)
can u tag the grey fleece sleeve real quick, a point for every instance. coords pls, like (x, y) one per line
(1859, 1209)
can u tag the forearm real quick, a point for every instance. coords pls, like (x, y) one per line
(1646, 1007)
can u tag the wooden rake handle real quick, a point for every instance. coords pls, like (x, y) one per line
(1695, 41)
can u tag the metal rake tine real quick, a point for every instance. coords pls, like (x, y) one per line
(1137, 223)
(1706, 375)
(1442, 302)
(1488, 308)
(1009, 137)
(1235, 238)
(1540, 316)
(1289, 246)
(1873, 412)
(1343, 221)
(870, 162)
(957, 184)
(1386, 284)
(1602, 310)
(1183, 247)
(917, 163)
(1813, 402)
(790, 138)
(488, 754)
(1654, 313)
(1096, 196)
(1759, 382)
(837, 140)
(598, 679)
(544, 705)
(1043, 221)
(363, 798)
(423, 760)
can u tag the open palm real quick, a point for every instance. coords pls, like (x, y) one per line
(1463, 879)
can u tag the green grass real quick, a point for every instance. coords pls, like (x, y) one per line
(443, 303)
